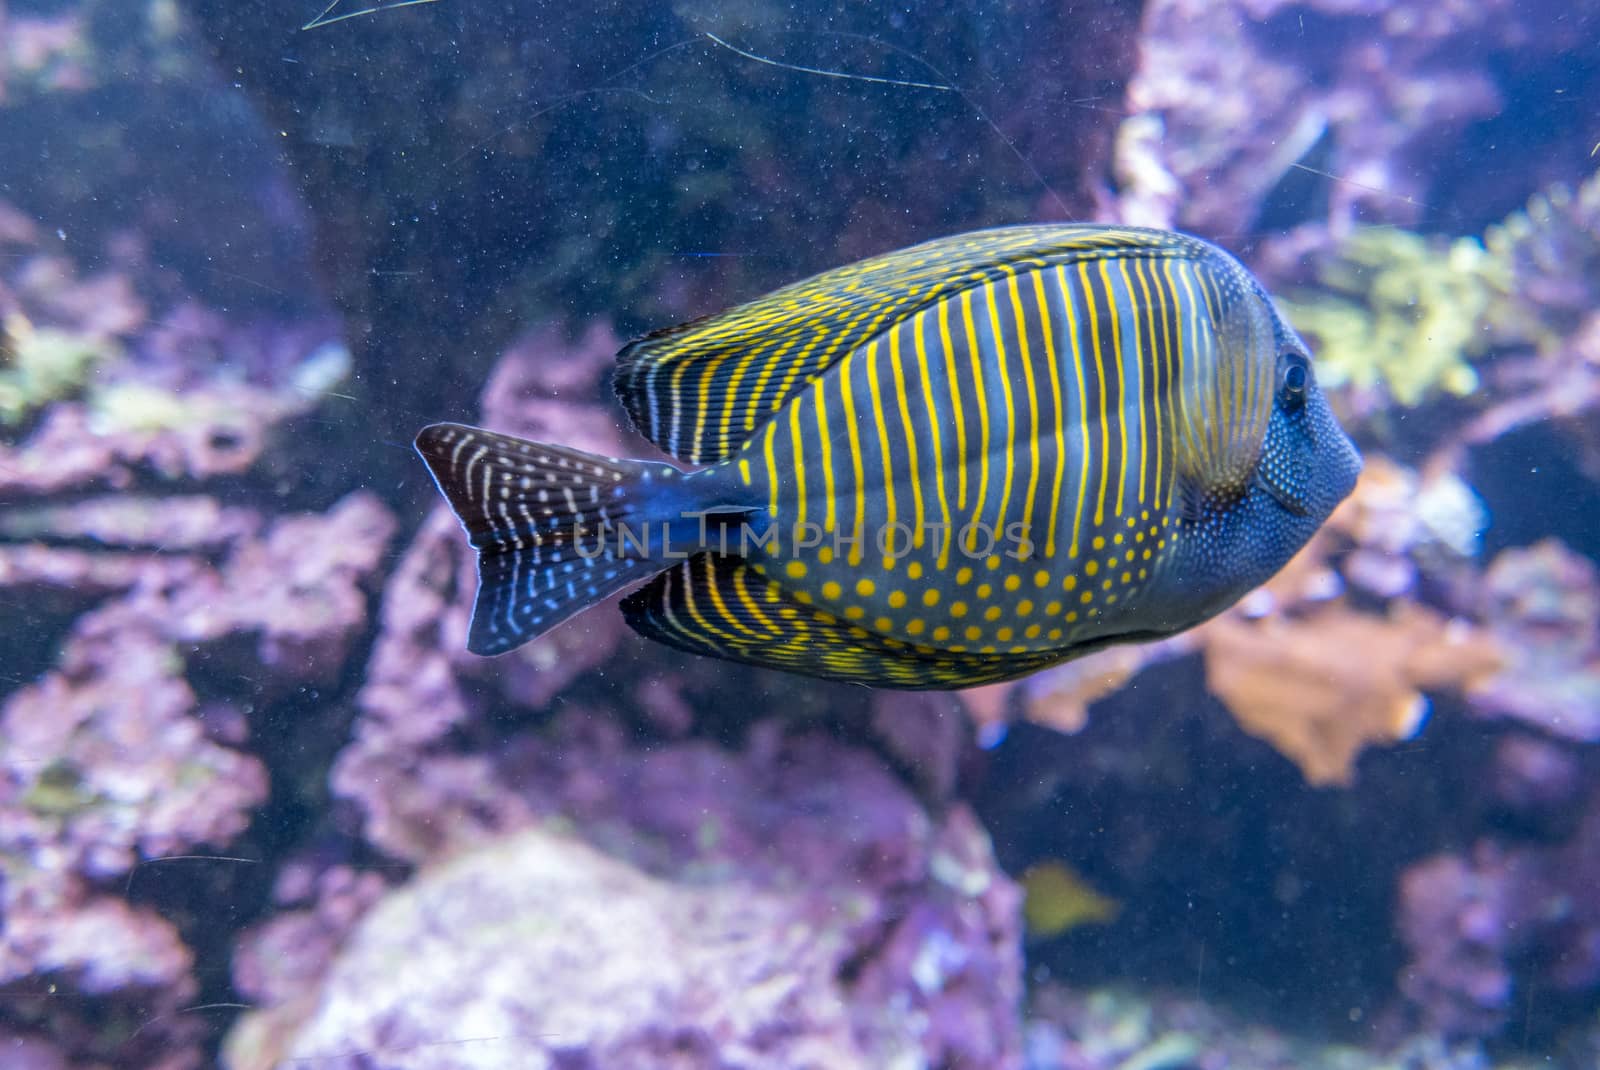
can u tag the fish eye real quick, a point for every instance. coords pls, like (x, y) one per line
(1294, 375)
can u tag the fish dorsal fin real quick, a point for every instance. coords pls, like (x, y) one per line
(703, 388)
(1225, 393)
(721, 607)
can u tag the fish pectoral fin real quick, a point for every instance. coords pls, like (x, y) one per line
(1224, 392)
(721, 607)
(702, 389)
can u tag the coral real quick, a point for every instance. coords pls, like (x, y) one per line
(298, 590)
(1300, 663)
(92, 45)
(92, 982)
(56, 330)
(1481, 924)
(185, 394)
(155, 624)
(1560, 385)
(804, 908)
(926, 731)
(1322, 686)
(106, 761)
(1403, 317)
(111, 758)
(47, 290)
(175, 522)
(1116, 1029)
(1543, 607)
(1230, 95)
(1404, 522)
(552, 388)
(278, 963)
(41, 54)
(1403, 312)
(1536, 779)
(1551, 250)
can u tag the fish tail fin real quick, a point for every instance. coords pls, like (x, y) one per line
(551, 526)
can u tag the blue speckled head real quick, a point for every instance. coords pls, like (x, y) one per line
(1236, 537)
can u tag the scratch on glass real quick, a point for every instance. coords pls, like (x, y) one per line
(323, 19)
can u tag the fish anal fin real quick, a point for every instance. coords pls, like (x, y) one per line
(720, 607)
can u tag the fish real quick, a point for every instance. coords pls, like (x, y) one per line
(1056, 899)
(953, 464)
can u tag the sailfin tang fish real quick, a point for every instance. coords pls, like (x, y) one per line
(948, 465)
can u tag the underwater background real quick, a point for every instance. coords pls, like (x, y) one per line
(258, 806)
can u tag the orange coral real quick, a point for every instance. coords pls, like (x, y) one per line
(1321, 687)
(1060, 697)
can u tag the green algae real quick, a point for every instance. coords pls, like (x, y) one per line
(1414, 315)
(58, 791)
(39, 365)
(1404, 312)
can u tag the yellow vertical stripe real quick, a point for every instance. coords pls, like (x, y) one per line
(913, 469)
(919, 337)
(1122, 382)
(1047, 328)
(674, 439)
(1139, 392)
(1150, 350)
(772, 466)
(825, 437)
(798, 449)
(958, 413)
(714, 589)
(1175, 358)
(1194, 401)
(1100, 379)
(770, 363)
(1025, 355)
(878, 421)
(1083, 399)
(981, 403)
(694, 610)
(1004, 375)
(852, 424)
(1225, 382)
(733, 395)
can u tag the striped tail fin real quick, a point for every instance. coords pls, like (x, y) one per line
(545, 521)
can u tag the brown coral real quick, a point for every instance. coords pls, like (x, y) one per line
(1322, 687)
